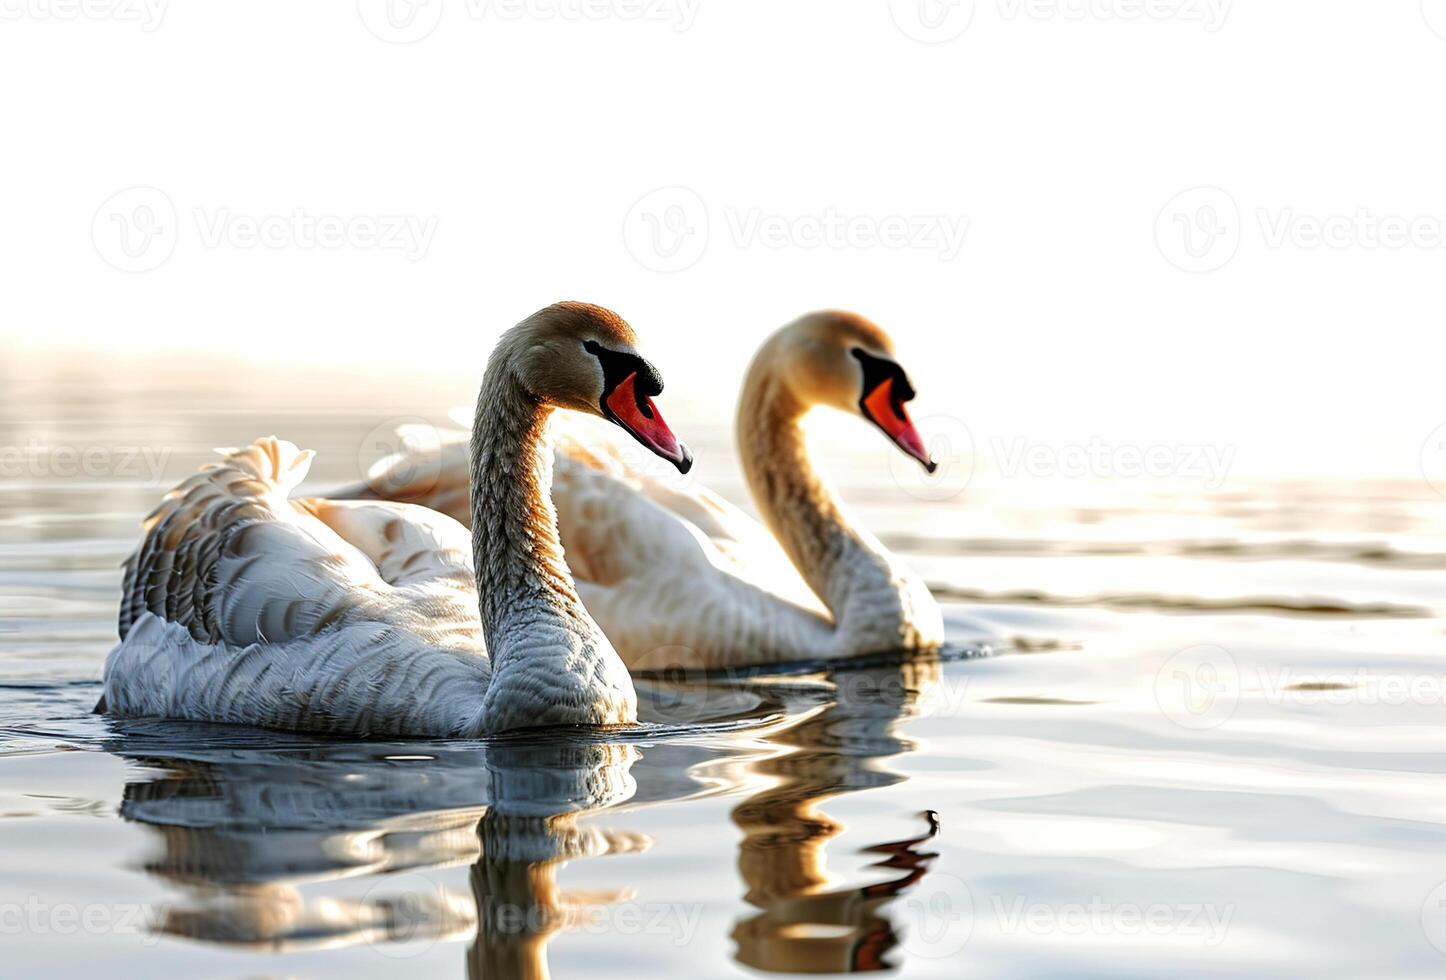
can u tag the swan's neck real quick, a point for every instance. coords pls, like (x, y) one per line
(551, 665)
(876, 603)
(521, 576)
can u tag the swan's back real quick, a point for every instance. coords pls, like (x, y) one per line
(242, 605)
(620, 518)
(619, 513)
(668, 568)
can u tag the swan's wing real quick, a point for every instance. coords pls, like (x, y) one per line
(356, 678)
(242, 605)
(669, 591)
(663, 591)
(604, 447)
(665, 566)
(409, 545)
(229, 557)
(432, 470)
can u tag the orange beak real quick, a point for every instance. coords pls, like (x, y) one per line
(645, 423)
(888, 413)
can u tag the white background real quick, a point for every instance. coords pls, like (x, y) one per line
(529, 134)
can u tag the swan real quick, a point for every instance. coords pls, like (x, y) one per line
(244, 606)
(679, 578)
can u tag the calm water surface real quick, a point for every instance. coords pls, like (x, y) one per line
(1183, 732)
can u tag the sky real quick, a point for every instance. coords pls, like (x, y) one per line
(1180, 223)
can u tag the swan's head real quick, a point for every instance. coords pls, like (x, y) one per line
(585, 358)
(847, 362)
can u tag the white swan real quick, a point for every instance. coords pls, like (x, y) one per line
(244, 606)
(680, 577)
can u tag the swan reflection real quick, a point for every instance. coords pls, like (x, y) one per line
(284, 843)
(808, 922)
(243, 832)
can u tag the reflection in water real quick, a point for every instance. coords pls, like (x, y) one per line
(243, 830)
(284, 843)
(527, 834)
(807, 926)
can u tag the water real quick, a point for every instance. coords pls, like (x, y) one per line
(1205, 741)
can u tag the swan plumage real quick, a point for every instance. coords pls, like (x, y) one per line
(245, 605)
(679, 577)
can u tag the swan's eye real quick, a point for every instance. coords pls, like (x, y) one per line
(618, 366)
(878, 370)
